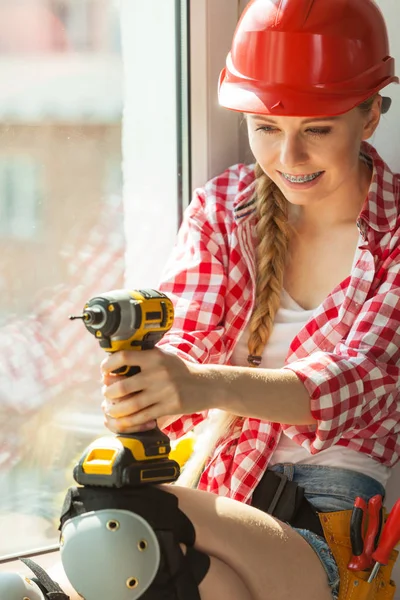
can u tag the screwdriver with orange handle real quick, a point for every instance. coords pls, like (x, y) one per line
(362, 544)
(375, 516)
(389, 539)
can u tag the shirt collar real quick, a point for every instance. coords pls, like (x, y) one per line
(245, 201)
(380, 210)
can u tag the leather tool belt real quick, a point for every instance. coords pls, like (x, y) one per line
(354, 584)
(285, 500)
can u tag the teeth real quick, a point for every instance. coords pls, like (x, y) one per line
(300, 179)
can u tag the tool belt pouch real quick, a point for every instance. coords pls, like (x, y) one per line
(354, 584)
(285, 500)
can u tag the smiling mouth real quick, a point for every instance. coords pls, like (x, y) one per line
(301, 178)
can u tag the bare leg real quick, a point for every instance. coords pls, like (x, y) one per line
(253, 556)
(222, 582)
(272, 560)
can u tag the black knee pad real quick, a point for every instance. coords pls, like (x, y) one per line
(125, 544)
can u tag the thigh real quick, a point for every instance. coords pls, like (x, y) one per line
(272, 559)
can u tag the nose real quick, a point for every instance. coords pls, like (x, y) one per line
(293, 152)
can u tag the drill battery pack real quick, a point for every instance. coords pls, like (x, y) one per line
(127, 461)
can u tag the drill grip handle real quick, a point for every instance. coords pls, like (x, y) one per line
(128, 371)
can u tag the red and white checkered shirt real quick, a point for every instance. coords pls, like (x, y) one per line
(347, 355)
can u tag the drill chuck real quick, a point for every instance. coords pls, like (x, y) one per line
(95, 316)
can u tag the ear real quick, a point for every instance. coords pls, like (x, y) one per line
(372, 118)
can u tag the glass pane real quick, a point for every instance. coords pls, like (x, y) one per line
(61, 242)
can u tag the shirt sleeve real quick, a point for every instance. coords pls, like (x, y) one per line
(354, 389)
(195, 280)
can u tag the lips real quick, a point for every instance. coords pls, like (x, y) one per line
(301, 183)
(304, 178)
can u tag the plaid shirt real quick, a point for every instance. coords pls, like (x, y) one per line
(347, 355)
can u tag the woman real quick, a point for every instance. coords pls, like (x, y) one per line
(292, 267)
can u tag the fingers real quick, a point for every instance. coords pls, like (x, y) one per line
(156, 386)
(146, 405)
(119, 387)
(145, 360)
(141, 421)
(125, 406)
(124, 426)
(133, 403)
(127, 416)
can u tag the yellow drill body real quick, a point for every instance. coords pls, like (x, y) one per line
(128, 320)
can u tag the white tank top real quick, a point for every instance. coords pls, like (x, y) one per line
(290, 318)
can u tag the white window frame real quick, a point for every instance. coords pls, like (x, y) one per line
(215, 131)
(149, 140)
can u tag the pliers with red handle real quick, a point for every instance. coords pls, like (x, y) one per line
(365, 527)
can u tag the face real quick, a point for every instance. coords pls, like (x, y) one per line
(312, 158)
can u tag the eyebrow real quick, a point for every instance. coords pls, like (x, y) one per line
(305, 121)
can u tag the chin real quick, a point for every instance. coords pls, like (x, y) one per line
(300, 199)
(303, 198)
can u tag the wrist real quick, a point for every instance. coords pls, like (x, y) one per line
(213, 383)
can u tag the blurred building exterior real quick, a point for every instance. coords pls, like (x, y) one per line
(60, 136)
(61, 241)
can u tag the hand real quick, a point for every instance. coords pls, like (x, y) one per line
(166, 385)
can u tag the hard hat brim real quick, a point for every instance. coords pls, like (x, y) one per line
(283, 101)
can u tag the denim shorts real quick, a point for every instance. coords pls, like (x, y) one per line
(329, 489)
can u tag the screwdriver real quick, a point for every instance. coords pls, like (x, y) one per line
(389, 539)
(364, 545)
(374, 528)
(357, 527)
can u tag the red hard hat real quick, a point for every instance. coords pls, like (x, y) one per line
(306, 58)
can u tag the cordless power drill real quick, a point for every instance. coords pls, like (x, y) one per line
(128, 320)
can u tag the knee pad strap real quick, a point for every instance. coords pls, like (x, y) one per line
(46, 584)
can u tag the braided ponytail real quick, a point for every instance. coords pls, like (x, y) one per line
(273, 234)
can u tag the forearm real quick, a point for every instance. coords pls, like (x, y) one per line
(275, 395)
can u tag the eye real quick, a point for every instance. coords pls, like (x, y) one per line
(319, 131)
(267, 129)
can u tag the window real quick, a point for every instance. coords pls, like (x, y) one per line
(21, 182)
(103, 136)
(61, 241)
(90, 26)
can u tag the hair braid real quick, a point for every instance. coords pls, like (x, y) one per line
(273, 232)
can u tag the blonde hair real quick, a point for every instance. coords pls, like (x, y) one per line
(273, 233)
